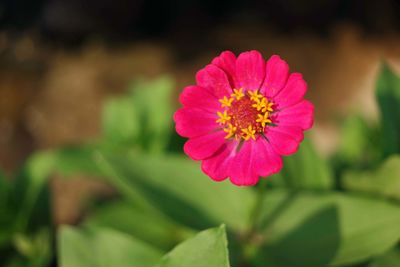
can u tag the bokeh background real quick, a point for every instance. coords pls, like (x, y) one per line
(61, 59)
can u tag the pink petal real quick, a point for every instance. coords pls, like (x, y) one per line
(227, 62)
(268, 161)
(300, 114)
(217, 166)
(250, 70)
(192, 122)
(277, 72)
(285, 139)
(242, 170)
(292, 93)
(214, 79)
(199, 97)
(204, 146)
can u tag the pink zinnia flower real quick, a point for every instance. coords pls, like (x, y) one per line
(243, 115)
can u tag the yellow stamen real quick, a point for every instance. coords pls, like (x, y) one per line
(268, 107)
(249, 132)
(238, 94)
(263, 119)
(226, 102)
(254, 95)
(223, 117)
(260, 104)
(230, 131)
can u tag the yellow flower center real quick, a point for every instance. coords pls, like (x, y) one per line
(245, 114)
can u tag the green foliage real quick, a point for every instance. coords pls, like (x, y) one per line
(343, 228)
(163, 201)
(142, 118)
(383, 182)
(208, 248)
(103, 247)
(305, 170)
(389, 259)
(388, 96)
(127, 217)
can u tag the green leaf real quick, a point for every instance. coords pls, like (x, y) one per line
(358, 142)
(304, 170)
(389, 259)
(30, 191)
(384, 182)
(310, 229)
(126, 217)
(177, 187)
(208, 248)
(153, 103)
(76, 160)
(120, 120)
(388, 96)
(103, 247)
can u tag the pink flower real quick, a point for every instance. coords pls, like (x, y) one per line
(243, 115)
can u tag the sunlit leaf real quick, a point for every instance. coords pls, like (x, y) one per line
(177, 187)
(304, 170)
(125, 217)
(208, 248)
(310, 229)
(389, 259)
(120, 120)
(385, 181)
(103, 247)
(153, 103)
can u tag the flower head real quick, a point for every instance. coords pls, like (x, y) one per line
(243, 115)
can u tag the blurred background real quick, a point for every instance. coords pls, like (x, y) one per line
(60, 60)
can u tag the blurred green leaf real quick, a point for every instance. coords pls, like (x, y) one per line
(310, 229)
(120, 120)
(304, 170)
(385, 181)
(103, 247)
(177, 187)
(36, 248)
(76, 160)
(358, 142)
(124, 216)
(389, 259)
(388, 96)
(7, 212)
(152, 101)
(143, 118)
(30, 192)
(208, 248)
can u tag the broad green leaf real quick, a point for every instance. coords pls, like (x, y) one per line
(304, 170)
(76, 160)
(103, 247)
(124, 216)
(385, 181)
(35, 248)
(120, 120)
(310, 229)
(388, 96)
(30, 191)
(153, 103)
(358, 142)
(177, 187)
(389, 259)
(208, 248)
